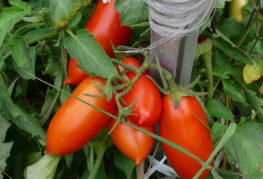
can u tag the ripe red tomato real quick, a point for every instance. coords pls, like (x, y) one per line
(131, 142)
(131, 62)
(105, 25)
(76, 123)
(76, 75)
(183, 126)
(147, 108)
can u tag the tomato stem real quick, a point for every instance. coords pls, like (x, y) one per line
(208, 64)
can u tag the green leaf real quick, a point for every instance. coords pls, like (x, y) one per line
(8, 18)
(217, 109)
(62, 11)
(236, 28)
(19, 117)
(5, 147)
(234, 91)
(132, 11)
(23, 59)
(247, 148)
(230, 49)
(33, 34)
(75, 20)
(252, 72)
(45, 168)
(124, 163)
(90, 55)
(21, 4)
(255, 102)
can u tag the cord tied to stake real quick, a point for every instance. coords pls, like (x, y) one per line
(175, 28)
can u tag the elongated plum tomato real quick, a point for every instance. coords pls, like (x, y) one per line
(106, 26)
(134, 144)
(76, 123)
(183, 126)
(147, 108)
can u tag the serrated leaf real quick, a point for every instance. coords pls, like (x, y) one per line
(62, 11)
(90, 55)
(234, 91)
(246, 147)
(8, 18)
(45, 168)
(19, 117)
(252, 72)
(216, 109)
(23, 59)
(5, 147)
(231, 50)
(132, 11)
(123, 163)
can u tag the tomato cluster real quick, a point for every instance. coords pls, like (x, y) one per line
(77, 121)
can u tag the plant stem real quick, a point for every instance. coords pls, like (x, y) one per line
(102, 149)
(246, 32)
(208, 64)
(96, 167)
(140, 171)
(203, 48)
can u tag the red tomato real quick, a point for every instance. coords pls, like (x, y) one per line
(147, 108)
(183, 126)
(76, 123)
(131, 62)
(201, 38)
(105, 25)
(131, 142)
(74, 70)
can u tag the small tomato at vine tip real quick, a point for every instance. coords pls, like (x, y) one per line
(76, 123)
(201, 38)
(133, 62)
(106, 26)
(186, 126)
(132, 143)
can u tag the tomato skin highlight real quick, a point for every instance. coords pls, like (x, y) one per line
(183, 127)
(105, 25)
(147, 108)
(131, 142)
(76, 123)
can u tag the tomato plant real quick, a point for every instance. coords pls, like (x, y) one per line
(187, 126)
(106, 26)
(75, 123)
(110, 41)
